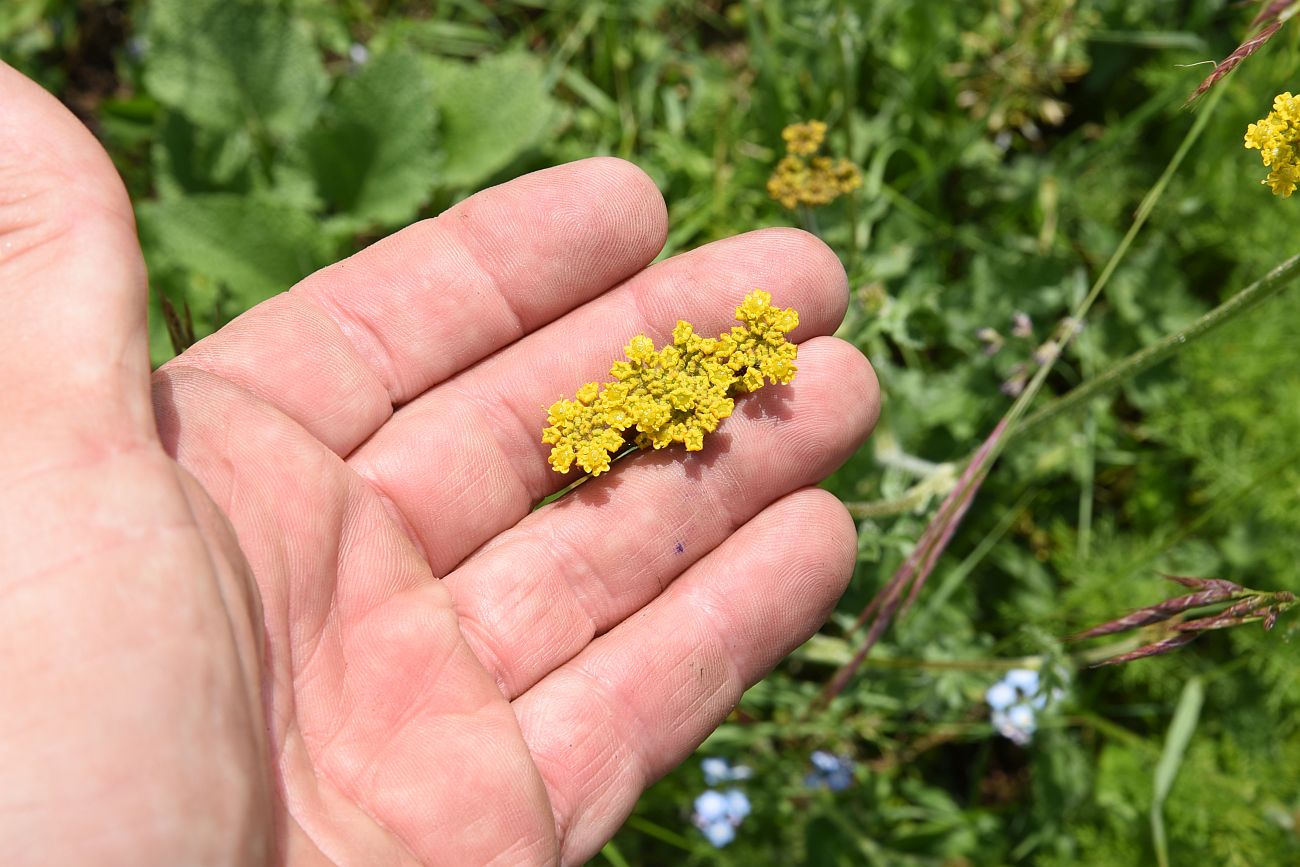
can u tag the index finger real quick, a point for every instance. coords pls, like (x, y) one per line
(350, 341)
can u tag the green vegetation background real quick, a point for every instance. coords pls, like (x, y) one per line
(262, 140)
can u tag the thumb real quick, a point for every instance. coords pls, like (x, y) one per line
(73, 343)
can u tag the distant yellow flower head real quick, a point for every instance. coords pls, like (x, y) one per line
(804, 139)
(819, 181)
(1277, 138)
(676, 394)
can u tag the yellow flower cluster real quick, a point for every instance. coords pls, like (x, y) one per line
(804, 139)
(1277, 137)
(812, 182)
(675, 395)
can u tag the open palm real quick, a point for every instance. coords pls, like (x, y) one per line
(297, 606)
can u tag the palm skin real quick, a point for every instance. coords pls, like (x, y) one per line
(285, 599)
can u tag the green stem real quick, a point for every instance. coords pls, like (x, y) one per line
(938, 484)
(1252, 296)
(1144, 210)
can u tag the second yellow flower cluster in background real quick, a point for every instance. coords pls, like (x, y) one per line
(820, 180)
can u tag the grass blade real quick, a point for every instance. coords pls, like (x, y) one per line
(1181, 728)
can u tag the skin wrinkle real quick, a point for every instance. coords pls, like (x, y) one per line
(520, 848)
(628, 205)
(484, 651)
(524, 431)
(128, 446)
(10, 588)
(188, 381)
(359, 401)
(479, 476)
(703, 598)
(518, 326)
(567, 814)
(500, 462)
(399, 518)
(321, 315)
(17, 247)
(362, 807)
(494, 663)
(358, 331)
(570, 554)
(369, 771)
(629, 760)
(62, 225)
(652, 553)
(290, 815)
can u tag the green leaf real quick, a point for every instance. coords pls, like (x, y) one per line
(252, 246)
(373, 155)
(190, 159)
(1181, 728)
(234, 64)
(492, 111)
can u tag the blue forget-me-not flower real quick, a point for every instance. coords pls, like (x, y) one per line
(1015, 701)
(832, 771)
(718, 770)
(718, 814)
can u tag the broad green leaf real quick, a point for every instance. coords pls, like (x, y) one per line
(234, 64)
(492, 111)
(372, 155)
(190, 159)
(252, 246)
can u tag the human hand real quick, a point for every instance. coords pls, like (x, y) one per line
(296, 607)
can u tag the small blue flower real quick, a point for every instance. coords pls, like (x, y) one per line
(710, 807)
(1017, 724)
(1024, 679)
(717, 770)
(718, 815)
(1014, 701)
(1000, 695)
(737, 805)
(829, 770)
(719, 833)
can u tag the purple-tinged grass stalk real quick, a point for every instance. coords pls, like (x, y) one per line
(1264, 27)
(1154, 649)
(911, 575)
(1264, 608)
(1214, 590)
(1247, 606)
(1274, 12)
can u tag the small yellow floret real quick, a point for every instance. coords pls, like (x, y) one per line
(803, 139)
(676, 394)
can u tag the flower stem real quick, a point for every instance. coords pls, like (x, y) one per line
(1268, 286)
